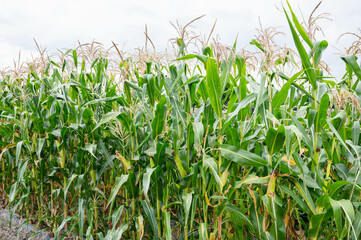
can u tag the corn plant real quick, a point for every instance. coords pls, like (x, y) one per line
(204, 151)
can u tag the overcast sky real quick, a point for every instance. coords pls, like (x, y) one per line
(60, 24)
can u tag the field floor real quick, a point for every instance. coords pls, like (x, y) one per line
(12, 234)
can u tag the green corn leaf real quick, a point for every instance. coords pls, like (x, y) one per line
(300, 28)
(187, 203)
(351, 60)
(101, 100)
(322, 111)
(357, 225)
(149, 211)
(159, 117)
(307, 66)
(117, 215)
(39, 146)
(257, 44)
(318, 49)
(179, 165)
(238, 212)
(275, 139)
(61, 226)
(301, 203)
(81, 213)
(252, 179)
(244, 103)
(201, 58)
(212, 165)
(316, 225)
(202, 231)
(336, 187)
(168, 229)
(106, 118)
(333, 129)
(22, 170)
(339, 208)
(198, 134)
(281, 96)
(355, 132)
(116, 234)
(301, 128)
(13, 192)
(214, 86)
(18, 151)
(119, 181)
(133, 85)
(146, 181)
(68, 183)
(75, 58)
(241, 156)
(306, 196)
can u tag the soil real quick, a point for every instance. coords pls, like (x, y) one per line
(18, 230)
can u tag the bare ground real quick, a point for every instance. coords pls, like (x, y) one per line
(18, 230)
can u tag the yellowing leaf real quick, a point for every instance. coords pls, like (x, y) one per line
(288, 160)
(125, 163)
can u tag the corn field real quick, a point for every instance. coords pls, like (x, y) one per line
(202, 147)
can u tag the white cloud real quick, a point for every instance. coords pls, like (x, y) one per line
(59, 24)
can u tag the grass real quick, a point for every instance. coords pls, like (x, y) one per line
(185, 150)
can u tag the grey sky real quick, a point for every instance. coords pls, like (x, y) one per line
(59, 24)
